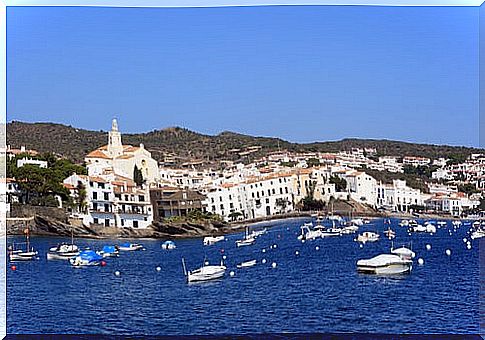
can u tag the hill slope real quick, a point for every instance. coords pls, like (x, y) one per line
(75, 143)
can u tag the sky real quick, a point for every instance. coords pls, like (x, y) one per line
(302, 73)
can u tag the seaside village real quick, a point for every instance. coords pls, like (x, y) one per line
(117, 195)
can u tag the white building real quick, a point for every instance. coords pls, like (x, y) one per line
(398, 196)
(25, 161)
(362, 187)
(122, 159)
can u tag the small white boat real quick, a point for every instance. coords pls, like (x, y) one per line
(477, 234)
(367, 236)
(247, 264)
(309, 234)
(441, 223)
(404, 223)
(210, 240)
(63, 252)
(357, 221)
(86, 258)
(246, 241)
(21, 255)
(404, 253)
(419, 229)
(387, 264)
(430, 228)
(130, 247)
(390, 234)
(257, 233)
(168, 245)
(351, 229)
(205, 273)
(109, 251)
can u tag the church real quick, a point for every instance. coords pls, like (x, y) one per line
(121, 159)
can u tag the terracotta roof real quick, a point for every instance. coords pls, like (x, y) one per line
(125, 157)
(97, 179)
(68, 186)
(130, 148)
(97, 154)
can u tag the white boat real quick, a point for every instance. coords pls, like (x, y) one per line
(168, 245)
(63, 252)
(351, 229)
(357, 221)
(210, 240)
(86, 258)
(404, 253)
(257, 233)
(130, 247)
(309, 234)
(390, 234)
(430, 228)
(247, 264)
(109, 251)
(419, 229)
(205, 273)
(387, 264)
(246, 241)
(367, 236)
(441, 223)
(404, 223)
(477, 234)
(21, 255)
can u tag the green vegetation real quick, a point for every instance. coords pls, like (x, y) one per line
(468, 188)
(41, 185)
(340, 183)
(423, 171)
(195, 216)
(412, 180)
(138, 176)
(312, 162)
(310, 204)
(185, 144)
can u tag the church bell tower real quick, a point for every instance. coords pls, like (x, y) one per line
(115, 148)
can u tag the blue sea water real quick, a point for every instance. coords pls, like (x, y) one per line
(315, 291)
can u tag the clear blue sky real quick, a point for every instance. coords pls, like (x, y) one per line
(300, 73)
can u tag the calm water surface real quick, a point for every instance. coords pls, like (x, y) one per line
(315, 291)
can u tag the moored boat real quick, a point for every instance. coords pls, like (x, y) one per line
(86, 258)
(247, 264)
(168, 245)
(63, 252)
(367, 236)
(387, 264)
(109, 251)
(210, 240)
(130, 246)
(204, 273)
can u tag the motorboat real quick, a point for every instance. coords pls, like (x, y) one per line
(367, 236)
(419, 228)
(246, 241)
(351, 229)
(109, 251)
(404, 253)
(257, 233)
(168, 245)
(430, 228)
(387, 264)
(130, 246)
(309, 234)
(247, 264)
(404, 223)
(86, 258)
(357, 221)
(390, 234)
(210, 240)
(441, 223)
(204, 273)
(21, 255)
(63, 252)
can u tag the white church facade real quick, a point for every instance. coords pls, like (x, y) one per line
(121, 159)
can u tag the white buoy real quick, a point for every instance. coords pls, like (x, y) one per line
(317, 248)
(270, 247)
(428, 247)
(465, 240)
(302, 241)
(224, 257)
(273, 264)
(297, 252)
(468, 246)
(361, 245)
(159, 268)
(448, 252)
(420, 261)
(117, 273)
(232, 274)
(263, 261)
(263, 251)
(206, 263)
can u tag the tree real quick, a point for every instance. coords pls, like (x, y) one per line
(282, 203)
(311, 162)
(81, 197)
(308, 203)
(138, 176)
(234, 215)
(340, 183)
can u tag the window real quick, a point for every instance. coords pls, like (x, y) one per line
(141, 198)
(135, 224)
(222, 206)
(231, 205)
(273, 191)
(95, 220)
(95, 195)
(95, 206)
(122, 222)
(212, 199)
(286, 190)
(101, 185)
(269, 192)
(267, 200)
(281, 191)
(106, 196)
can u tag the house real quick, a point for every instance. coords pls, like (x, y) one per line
(172, 201)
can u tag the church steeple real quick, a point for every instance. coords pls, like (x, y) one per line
(115, 148)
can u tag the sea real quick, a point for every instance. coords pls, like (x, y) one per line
(295, 287)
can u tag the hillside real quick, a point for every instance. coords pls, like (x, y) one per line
(185, 145)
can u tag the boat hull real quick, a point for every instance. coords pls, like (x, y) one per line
(63, 256)
(391, 269)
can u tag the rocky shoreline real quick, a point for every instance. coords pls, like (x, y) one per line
(43, 221)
